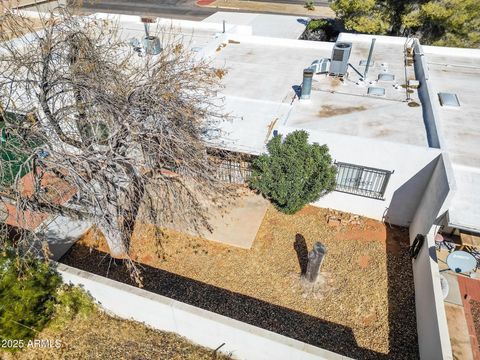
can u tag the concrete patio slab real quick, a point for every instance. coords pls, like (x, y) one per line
(240, 224)
(237, 225)
(454, 296)
(458, 330)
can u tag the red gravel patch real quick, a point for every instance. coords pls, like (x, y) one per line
(363, 261)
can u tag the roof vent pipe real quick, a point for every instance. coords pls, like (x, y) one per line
(370, 53)
(307, 84)
(151, 44)
(147, 29)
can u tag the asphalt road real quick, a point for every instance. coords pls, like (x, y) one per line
(179, 9)
(182, 9)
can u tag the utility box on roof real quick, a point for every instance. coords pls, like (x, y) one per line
(340, 57)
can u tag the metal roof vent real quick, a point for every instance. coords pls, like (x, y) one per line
(321, 66)
(377, 91)
(151, 44)
(386, 77)
(307, 84)
(339, 60)
(448, 99)
(364, 63)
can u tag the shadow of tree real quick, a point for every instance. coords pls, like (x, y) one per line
(300, 246)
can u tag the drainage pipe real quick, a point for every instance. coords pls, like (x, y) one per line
(370, 53)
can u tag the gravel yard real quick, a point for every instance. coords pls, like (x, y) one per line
(363, 308)
(101, 337)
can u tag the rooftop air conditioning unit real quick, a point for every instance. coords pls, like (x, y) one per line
(340, 56)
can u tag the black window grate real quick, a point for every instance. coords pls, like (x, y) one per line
(234, 172)
(361, 180)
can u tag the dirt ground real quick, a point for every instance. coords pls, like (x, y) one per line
(362, 307)
(100, 336)
(259, 6)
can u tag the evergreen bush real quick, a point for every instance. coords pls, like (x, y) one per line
(294, 172)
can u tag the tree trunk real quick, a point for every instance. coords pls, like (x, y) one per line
(112, 231)
(131, 210)
(118, 230)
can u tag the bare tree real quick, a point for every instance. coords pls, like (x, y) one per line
(127, 134)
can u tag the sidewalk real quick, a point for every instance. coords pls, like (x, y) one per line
(258, 6)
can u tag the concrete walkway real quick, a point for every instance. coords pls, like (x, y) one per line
(269, 25)
(236, 225)
(239, 225)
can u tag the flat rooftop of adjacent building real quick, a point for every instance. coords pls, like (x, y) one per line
(264, 77)
(457, 71)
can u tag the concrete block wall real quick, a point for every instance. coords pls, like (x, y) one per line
(200, 326)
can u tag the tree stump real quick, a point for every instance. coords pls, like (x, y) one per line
(315, 260)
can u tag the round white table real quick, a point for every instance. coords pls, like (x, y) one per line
(461, 261)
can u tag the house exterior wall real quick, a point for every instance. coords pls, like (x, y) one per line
(61, 233)
(203, 327)
(412, 166)
(432, 328)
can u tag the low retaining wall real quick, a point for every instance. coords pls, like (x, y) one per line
(241, 340)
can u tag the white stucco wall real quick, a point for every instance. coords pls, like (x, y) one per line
(432, 327)
(61, 233)
(412, 166)
(203, 327)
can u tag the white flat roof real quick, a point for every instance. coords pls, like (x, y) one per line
(261, 69)
(264, 72)
(464, 211)
(457, 71)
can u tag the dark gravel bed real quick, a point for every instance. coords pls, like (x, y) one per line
(475, 309)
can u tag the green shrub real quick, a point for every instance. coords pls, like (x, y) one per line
(294, 172)
(309, 5)
(71, 301)
(27, 295)
(317, 24)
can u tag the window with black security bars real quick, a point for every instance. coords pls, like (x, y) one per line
(362, 180)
